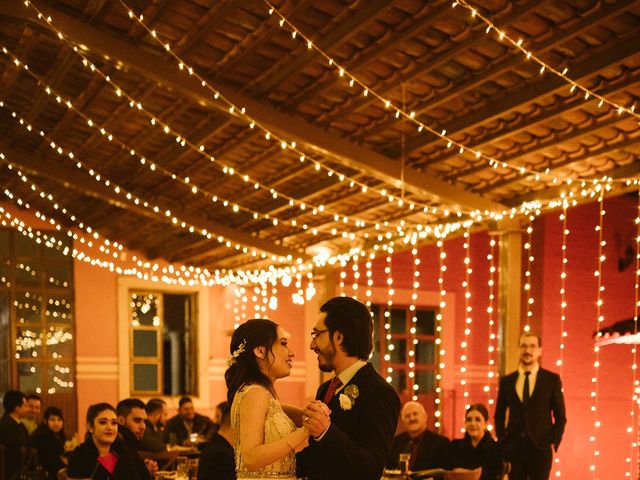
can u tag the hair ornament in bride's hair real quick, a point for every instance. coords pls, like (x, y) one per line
(236, 353)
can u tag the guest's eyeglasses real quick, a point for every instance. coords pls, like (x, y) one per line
(316, 333)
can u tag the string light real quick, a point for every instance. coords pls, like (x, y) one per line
(387, 313)
(563, 310)
(468, 320)
(242, 113)
(527, 275)
(343, 276)
(442, 303)
(633, 423)
(413, 339)
(369, 275)
(397, 112)
(493, 337)
(356, 277)
(157, 169)
(529, 55)
(596, 349)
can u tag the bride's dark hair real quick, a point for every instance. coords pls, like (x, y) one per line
(243, 368)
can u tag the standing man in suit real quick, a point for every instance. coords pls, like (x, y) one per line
(532, 400)
(355, 415)
(427, 449)
(13, 434)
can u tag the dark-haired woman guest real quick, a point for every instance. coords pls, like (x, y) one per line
(48, 439)
(102, 456)
(265, 436)
(477, 448)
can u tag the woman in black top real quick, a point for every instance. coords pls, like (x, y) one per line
(102, 456)
(477, 448)
(48, 439)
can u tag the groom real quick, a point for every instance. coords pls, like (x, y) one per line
(354, 439)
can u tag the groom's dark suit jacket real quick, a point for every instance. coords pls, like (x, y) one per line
(534, 420)
(356, 444)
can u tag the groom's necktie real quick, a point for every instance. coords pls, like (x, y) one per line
(331, 391)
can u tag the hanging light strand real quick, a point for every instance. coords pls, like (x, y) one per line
(491, 310)
(413, 339)
(545, 67)
(596, 349)
(398, 112)
(527, 275)
(632, 429)
(442, 303)
(468, 320)
(387, 313)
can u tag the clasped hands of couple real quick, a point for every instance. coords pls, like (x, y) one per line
(315, 418)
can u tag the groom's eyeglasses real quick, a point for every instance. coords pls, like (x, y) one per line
(316, 333)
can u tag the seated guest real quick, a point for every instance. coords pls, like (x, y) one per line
(186, 422)
(477, 448)
(32, 418)
(102, 456)
(152, 440)
(427, 449)
(131, 416)
(217, 461)
(48, 439)
(13, 434)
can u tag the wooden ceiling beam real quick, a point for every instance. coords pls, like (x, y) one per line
(349, 153)
(528, 121)
(593, 124)
(625, 171)
(566, 161)
(510, 62)
(548, 85)
(81, 182)
(301, 56)
(448, 54)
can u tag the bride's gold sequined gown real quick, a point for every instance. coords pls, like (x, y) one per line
(277, 425)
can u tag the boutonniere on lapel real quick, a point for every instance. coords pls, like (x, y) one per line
(348, 398)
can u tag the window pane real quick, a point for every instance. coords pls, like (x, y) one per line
(28, 308)
(60, 378)
(399, 380)
(145, 343)
(5, 273)
(25, 247)
(29, 377)
(59, 310)
(425, 352)
(426, 322)
(399, 352)
(4, 243)
(58, 275)
(28, 342)
(424, 379)
(27, 274)
(59, 343)
(144, 309)
(145, 377)
(398, 320)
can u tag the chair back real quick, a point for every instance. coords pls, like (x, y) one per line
(463, 474)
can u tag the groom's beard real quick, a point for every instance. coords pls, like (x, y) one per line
(325, 358)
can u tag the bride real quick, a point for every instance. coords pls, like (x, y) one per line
(265, 436)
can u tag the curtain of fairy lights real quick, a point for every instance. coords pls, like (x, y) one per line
(442, 303)
(596, 349)
(413, 340)
(491, 310)
(387, 312)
